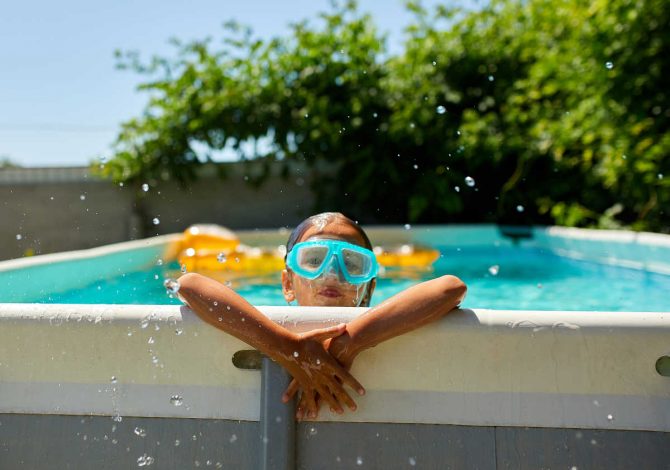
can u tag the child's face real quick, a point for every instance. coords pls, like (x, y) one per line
(328, 290)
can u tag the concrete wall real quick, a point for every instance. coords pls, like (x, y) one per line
(46, 210)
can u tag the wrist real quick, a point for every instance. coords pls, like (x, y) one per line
(343, 349)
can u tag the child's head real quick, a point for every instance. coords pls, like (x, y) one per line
(335, 285)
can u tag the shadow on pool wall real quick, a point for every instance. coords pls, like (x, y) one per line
(115, 386)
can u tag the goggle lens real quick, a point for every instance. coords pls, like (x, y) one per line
(311, 258)
(355, 263)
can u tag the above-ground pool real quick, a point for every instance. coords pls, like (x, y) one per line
(560, 359)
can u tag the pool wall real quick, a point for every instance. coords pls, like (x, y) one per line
(480, 389)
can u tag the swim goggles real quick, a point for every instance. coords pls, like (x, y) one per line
(311, 259)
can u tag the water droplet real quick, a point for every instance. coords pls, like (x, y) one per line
(441, 109)
(610, 418)
(493, 270)
(306, 115)
(408, 226)
(177, 442)
(457, 189)
(183, 268)
(171, 285)
(154, 360)
(312, 431)
(19, 236)
(159, 262)
(144, 322)
(318, 362)
(520, 208)
(145, 187)
(176, 400)
(151, 340)
(179, 332)
(491, 78)
(145, 460)
(539, 286)
(609, 65)
(117, 418)
(140, 431)
(412, 461)
(434, 63)
(359, 460)
(295, 354)
(221, 258)
(113, 379)
(156, 221)
(416, 167)
(233, 438)
(660, 176)
(470, 181)
(82, 197)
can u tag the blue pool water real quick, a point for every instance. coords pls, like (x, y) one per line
(527, 279)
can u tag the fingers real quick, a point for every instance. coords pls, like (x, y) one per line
(310, 404)
(326, 333)
(290, 391)
(350, 380)
(330, 399)
(343, 397)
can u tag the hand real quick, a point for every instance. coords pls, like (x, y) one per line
(339, 348)
(315, 371)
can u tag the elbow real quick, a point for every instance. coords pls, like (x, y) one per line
(190, 286)
(188, 281)
(453, 289)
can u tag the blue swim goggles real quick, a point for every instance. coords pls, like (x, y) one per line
(310, 260)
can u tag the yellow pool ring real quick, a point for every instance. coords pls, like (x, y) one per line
(209, 237)
(406, 256)
(241, 259)
(213, 248)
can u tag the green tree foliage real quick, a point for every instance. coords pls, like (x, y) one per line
(557, 109)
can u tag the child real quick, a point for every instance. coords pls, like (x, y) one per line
(329, 262)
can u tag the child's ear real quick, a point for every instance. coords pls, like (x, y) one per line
(287, 286)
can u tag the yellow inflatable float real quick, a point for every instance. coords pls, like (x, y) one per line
(207, 248)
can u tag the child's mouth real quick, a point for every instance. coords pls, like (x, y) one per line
(330, 292)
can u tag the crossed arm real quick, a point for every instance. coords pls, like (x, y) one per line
(406, 311)
(319, 360)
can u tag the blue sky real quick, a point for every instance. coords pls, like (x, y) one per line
(61, 99)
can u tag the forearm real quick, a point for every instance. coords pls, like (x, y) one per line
(406, 311)
(223, 308)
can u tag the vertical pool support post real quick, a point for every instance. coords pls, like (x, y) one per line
(277, 423)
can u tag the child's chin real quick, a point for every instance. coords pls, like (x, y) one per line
(333, 302)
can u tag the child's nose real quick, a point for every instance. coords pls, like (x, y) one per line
(333, 269)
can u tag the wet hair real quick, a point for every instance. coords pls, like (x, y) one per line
(322, 220)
